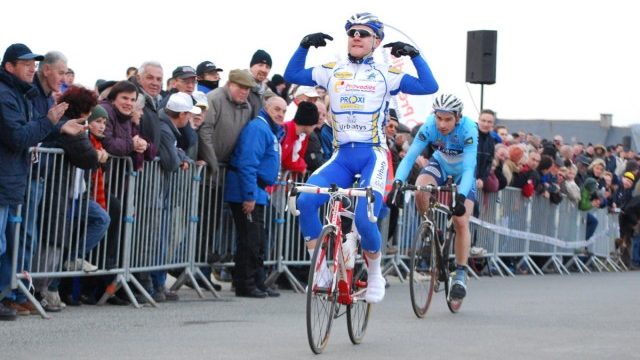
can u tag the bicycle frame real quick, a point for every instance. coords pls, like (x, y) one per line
(322, 297)
(442, 241)
(336, 210)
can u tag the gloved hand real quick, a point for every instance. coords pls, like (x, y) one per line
(395, 198)
(459, 209)
(317, 40)
(399, 49)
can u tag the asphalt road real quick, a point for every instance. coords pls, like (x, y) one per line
(529, 317)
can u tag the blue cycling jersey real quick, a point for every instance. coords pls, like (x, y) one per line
(456, 152)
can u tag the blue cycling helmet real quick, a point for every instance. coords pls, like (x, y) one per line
(367, 19)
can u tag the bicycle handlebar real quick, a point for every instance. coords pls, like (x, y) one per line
(333, 190)
(453, 188)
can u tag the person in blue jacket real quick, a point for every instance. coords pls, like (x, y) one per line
(454, 141)
(20, 128)
(254, 165)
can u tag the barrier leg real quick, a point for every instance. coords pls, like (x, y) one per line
(596, 263)
(33, 300)
(575, 260)
(274, 275)
(185, 276)
(504, 266)
(471, 272)
(494, 263)
(560, 268)
(392, 266)
(198, 274)
(612, 264)
(295, 284)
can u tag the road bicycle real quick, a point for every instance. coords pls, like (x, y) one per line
(331, 282)
(430, 265)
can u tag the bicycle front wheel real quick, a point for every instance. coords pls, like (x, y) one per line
(358, 311)
(453, 304)
(321, 296)
(423, 273)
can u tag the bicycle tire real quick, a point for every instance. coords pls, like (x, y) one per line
(423, 271)
(453, 305)
(321, 302)
(359, 311)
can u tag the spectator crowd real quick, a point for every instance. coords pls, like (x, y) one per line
(257, 126)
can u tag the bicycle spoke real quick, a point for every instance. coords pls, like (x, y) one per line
(423, 272)
(358, 314)
(321, 299)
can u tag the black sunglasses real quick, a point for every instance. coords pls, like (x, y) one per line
(360, 32)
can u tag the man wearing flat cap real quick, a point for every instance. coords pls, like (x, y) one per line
(229, 110)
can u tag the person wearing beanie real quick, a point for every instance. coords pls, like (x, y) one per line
(260, 67)
(294, 144)
(261, 57)
(97, 123)
(279, 86)
(625, 192)
(300, 94)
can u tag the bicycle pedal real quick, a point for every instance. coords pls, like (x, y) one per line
(343, 293)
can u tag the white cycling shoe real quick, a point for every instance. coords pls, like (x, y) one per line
(375, 288)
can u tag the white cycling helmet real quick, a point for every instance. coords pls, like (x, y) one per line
(448, 103)
(367, 19)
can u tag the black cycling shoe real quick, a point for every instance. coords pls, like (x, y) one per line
(458, 290)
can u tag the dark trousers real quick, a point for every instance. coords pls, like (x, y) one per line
(249, 258)
(592, 224)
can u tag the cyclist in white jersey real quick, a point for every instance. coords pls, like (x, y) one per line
(359, 90)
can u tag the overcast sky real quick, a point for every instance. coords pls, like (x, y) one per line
(556, 59)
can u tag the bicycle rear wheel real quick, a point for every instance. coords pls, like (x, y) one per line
(423, 273)
(321, 296)
(453, 305)
(359, 311)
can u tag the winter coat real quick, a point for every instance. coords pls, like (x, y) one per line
(20, 128)
(255, 162)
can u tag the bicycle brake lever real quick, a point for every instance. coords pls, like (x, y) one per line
(371, 199)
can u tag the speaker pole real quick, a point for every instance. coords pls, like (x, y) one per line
(481, 97)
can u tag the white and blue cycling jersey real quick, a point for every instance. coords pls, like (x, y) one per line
(359, 99)
(455, 153)
(359, 93)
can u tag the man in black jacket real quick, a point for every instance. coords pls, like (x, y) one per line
(486, 146)
(149, 83)
(20, 128)
(177, 115)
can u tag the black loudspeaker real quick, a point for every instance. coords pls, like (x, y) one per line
(481, 56)
(626, 142)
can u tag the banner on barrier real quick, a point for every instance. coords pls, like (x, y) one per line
(501, 230)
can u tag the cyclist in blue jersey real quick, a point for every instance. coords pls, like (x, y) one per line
(454, 141)
(359, 90)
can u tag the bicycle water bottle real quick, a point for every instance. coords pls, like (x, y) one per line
(349, 250)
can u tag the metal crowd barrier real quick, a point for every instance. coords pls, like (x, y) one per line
(165, 223)
(179, 222)
(56, 235)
